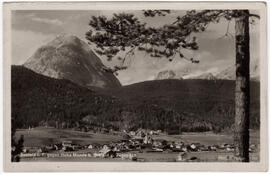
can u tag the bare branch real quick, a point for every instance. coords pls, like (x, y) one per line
(227, 34)
(127, 54)
(254, 15)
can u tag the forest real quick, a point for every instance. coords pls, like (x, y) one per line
(173, 106)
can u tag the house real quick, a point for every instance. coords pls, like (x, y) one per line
(159, 143)
(105, 152)
(96, 146)
(66, 143)
(58, 146)
(204, 148)
(116, 148)
(182, 156)
(25, 150)
(148, 139)
(105, 147)
(181, 143)
(50, 147)
(129, 156)
(97, 155)
(140, 133)
(195, 147)
(252, 148)
(32, 150)
(172, 145)
(225, 157)
(223, 146)
(178, 146)
(69, 146)
(152, 132)
(110, 154)
(213, 147)
(184, 149)
(156, 149)
(132, 133)
(136, 141)
(230, 149)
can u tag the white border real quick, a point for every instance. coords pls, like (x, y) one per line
(100, 166)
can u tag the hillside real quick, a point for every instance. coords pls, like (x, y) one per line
(68, 57)
(37, 98)
(169, 105)
(200, 100)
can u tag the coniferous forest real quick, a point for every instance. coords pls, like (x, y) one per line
(173, 106)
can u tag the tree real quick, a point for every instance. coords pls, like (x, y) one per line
(16, 146)
(242, 98)
(124, 32)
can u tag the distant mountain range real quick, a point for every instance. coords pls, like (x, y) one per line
(229, 73)
(169, 74)
(68, 57)
(226, 74)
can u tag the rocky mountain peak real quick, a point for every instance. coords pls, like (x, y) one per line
(167, 74)
(68, 57)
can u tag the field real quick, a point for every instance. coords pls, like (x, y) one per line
(209, 138)
(46, 136)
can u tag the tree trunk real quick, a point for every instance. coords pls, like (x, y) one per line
(242, 96)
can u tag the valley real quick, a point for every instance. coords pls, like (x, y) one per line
(64, 101)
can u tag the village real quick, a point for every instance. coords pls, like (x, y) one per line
(140, 146)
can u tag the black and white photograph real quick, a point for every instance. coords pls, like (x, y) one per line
(149, 85)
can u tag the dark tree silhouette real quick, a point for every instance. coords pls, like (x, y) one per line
(16, 146)
(124, 32)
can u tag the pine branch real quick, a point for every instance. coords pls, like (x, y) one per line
(254, 15)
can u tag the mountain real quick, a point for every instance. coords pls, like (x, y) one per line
(226, 74)
(229, 72)
(167, 74)
(205, 76)
(68, 57)
(170, 74)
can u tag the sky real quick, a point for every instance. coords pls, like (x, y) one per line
(33, 29)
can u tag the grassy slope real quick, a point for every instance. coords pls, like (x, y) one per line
(47, 136)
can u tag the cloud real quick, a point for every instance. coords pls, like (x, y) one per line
(48, 21)
(45, 20)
